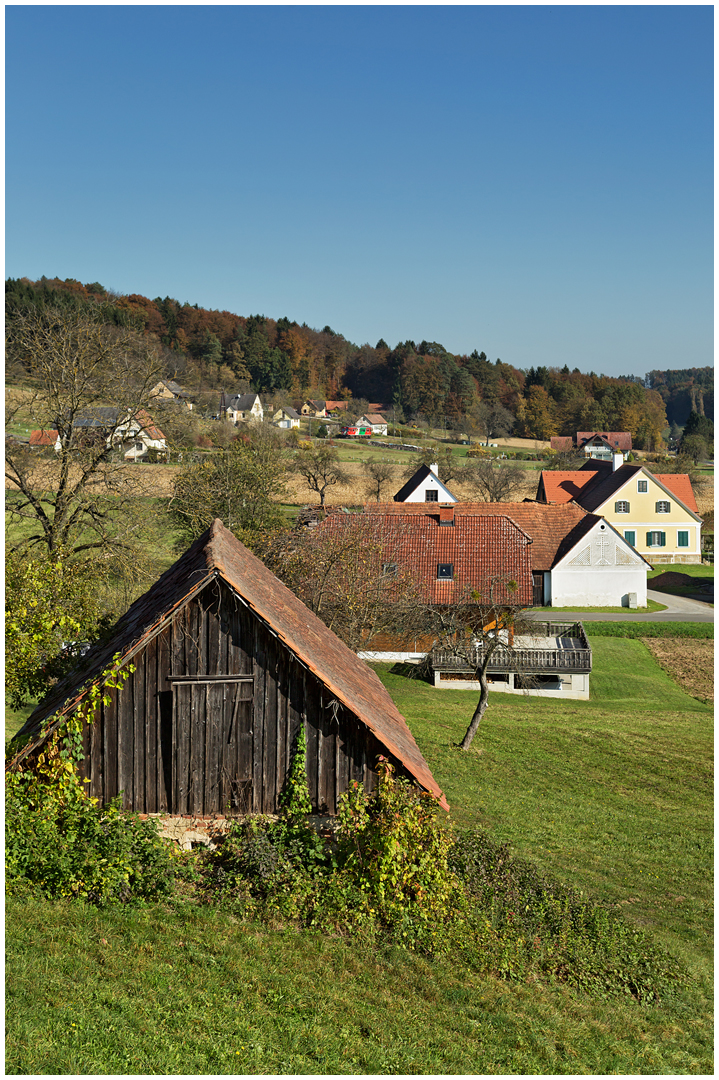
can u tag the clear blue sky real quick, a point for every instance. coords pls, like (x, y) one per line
(531, 181)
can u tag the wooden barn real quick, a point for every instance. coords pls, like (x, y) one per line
(229, 665)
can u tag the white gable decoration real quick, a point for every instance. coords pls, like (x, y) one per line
(601, 573)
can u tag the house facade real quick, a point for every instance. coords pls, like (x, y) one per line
(286, 418)
(655, 513)
(229, 669)
(242, 407)
(313, 408)
(377, 423)
(169, 390)
(425, 487)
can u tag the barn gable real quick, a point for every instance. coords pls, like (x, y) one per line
(229, 663)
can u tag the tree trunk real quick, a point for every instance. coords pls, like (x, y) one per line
(482, 703)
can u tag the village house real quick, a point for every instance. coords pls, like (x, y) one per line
(44, 440)
(135, 435)
(655, 513)
(577, 559)
(313, 408)
(239, 408)
(286, 417)
(169, 390)
(452, 555)
(600, 445)
(425, 486)
(228, 669)
(377, 423)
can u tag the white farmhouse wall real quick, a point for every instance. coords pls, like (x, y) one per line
(430, 483)
(600, 571)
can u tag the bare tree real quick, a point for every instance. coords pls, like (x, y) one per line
(349, 571)
(480, 625)
(378, 473)
(494, 483)
(320, 468)
(490, 419)
(566, 460)
(88, 382)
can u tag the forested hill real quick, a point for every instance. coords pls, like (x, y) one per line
(216, 349)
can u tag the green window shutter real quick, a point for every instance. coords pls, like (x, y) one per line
(616, 508)
(630, 538)
(663, 540)
(682, 539)
(649, 539)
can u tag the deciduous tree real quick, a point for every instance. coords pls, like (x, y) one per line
(320, 468)
(490, 482)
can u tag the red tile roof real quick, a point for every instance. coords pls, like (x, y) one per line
(546, 524)
(217, 553)
(599, 487)
(485, 552)
(43, 438)
(559, 486)
(680, 485)
(148, 425)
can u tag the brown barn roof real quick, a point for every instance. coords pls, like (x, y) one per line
(217, 553)
(546, 524)
(482, 550)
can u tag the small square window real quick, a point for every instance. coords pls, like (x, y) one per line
(663, 507)
(621, 507)
(431, 496)
(389, 569)
(445, 571)
(682, 539)
(642, 485)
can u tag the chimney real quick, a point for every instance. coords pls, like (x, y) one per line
(435, 469)
(617, 461)
(446, 515)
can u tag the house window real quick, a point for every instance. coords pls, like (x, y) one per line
(631, 537)
(682, 538)
(663, 507)
(642, 485)
(656, 539)
(621, 507)
(431, 496)
(445, 571)
(389, 569)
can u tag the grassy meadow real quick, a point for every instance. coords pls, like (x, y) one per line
(613, 795)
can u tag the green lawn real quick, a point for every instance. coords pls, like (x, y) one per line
(614, 795)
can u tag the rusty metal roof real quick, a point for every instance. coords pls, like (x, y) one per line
(217, 553)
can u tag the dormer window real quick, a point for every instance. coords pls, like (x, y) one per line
(445, 571)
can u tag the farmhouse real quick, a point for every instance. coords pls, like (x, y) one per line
(577, 558)
(286, 417)
(227, 668)
(425, 487)
(377, 423)
(655, 513)
(239, 407)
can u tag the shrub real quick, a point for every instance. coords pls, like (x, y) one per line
(75, 847)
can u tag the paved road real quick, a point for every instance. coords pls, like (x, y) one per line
(679, 609)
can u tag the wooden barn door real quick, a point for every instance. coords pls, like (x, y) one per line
(212, 720)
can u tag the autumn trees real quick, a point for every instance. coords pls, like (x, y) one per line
(87, 381)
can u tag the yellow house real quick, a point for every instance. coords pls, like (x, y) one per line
(656, 514)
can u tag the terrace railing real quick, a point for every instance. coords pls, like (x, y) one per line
(559, 659)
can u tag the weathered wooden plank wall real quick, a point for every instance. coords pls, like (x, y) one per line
(212, 746)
